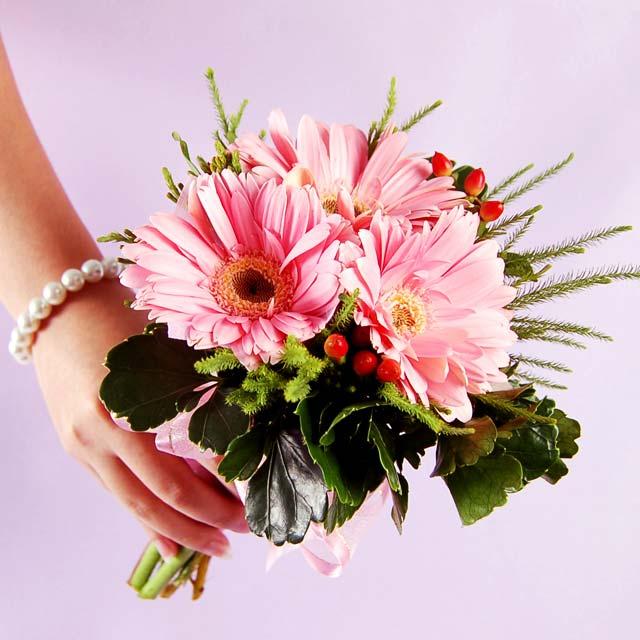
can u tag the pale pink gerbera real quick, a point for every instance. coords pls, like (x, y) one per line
(348, 180)
(248, 266)
(434, 301)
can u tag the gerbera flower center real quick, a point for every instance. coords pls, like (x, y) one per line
(408, 312)
(330, 205)
(252, 286)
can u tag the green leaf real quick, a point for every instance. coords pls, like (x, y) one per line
(534, 446)
(413, 443)
(568, 432)
(461, 451)
(216, 423)
(286, 493)
(556, 471)
(400, 503)
(328, 437)
(337, 514)
(148, 375)
(477, 490)
(348, 493)
(381, 437)
(244, 455)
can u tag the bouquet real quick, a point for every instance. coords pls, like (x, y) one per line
(325, 308)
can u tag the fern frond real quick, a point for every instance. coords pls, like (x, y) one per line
(540, 363)
(511, 409)
(524, 326)
(573, 245)
(507, 182)
(537, 180)
(419, 115)
(555, 339)
(378, 126)
(221, 360)
(184, 148)
(344, 315)
(393, 396)
(540, 381)
(569, 283)
(234, 121)
(217, 101)
(500, 227)
(515, 236)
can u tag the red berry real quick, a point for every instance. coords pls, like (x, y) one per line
(361, 336)
(474, 182)
(365, 362)
(491, 210)
(388, 371)
(442, 166)
(336, 346)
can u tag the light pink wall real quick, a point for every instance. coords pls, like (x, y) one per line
(107, 82)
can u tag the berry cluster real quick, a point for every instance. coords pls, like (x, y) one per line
(474, 184)
(364, 361)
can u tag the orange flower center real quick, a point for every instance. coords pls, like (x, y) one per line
(408, 312)
(252, 286)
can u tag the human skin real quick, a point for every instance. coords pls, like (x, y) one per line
(41, 237)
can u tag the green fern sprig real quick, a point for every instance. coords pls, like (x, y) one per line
(500, 227)
(221, 360)
(517, 234)
(573, 245)
(419, 115)
(569, 283)
(537, 180)
(393, 396)
(378, 126)
(539, 381)
(510, 408)
(344, 315)
(527, 326)
(507, 182)
(531, 361)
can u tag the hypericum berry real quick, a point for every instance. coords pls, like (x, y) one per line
(491, 210)
(442, 166)
(336, 346)
(365, 362)
(388, 371)
(474, 182)
(361, 336)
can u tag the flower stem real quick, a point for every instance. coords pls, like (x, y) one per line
(147, 563)
(167, 570)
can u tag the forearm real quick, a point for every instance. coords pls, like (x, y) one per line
(40, 233)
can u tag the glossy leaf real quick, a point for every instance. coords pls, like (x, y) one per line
(400, 504)
(286, 493)
(244, 455)
(149, 376)
(380, 436)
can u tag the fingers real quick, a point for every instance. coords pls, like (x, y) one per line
(158, 516)
(171, 480)
(211, 465)
(167, 548)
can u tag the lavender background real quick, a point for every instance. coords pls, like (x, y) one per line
(106, 83)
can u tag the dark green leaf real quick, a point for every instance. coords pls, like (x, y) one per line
(148, 375)
(329, 435)
(216, 423)
(534, 445)
(477, 490)
(337, 514)
(568, 432)
(413, 443)
(400, 503)
(286, 493)
(381, 437)
(244, 455)
(460, 451)
(326, 459)
(556, 471)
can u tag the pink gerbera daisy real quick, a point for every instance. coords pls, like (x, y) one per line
(435, 301)
(246, 267)
(349, 181)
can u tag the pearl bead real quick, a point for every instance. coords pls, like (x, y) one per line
(72, 280)
(54, 293)
(92, 270)
(111, 268)
(21, 339)
(39, 308)
(27, 324)
(21, 354)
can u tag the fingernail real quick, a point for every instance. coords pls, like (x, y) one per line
(166, 549)
(219, 549)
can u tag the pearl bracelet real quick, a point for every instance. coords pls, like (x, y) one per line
(53, 295)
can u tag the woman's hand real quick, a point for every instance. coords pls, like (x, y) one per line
(171, 502)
